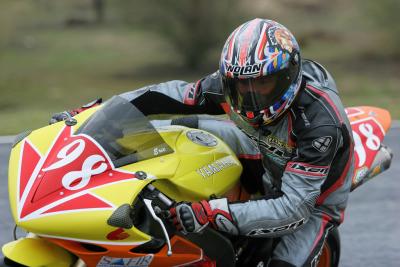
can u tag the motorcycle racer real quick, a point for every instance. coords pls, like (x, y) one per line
(290, 131)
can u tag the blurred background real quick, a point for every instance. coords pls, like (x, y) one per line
(57, 55)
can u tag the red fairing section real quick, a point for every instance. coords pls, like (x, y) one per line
(60, 180)
(29, 165)
(85, 107)
(86, 201)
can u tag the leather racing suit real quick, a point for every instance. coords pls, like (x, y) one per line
(302, 164)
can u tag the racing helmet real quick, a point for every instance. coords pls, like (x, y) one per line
(260, 68)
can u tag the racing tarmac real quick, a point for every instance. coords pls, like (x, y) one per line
(370, 233)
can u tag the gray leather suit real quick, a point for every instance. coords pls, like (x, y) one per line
(302, 165)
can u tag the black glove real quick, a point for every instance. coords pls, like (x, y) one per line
(62, 116)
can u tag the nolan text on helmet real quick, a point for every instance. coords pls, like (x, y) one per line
(246, 71)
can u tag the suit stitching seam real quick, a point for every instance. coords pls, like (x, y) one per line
(323, 105)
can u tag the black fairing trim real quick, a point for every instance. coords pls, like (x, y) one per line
(11, 263)
(255, 251)
(20, 137)
(152, 246)
(215, 246)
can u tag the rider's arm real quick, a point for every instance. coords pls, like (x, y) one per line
(301, 184)
(179, 97)
(173, 97)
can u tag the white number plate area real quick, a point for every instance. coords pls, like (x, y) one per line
(143, 261)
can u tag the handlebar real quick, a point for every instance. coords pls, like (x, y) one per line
(163, 198)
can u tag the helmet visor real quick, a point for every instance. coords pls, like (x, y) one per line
(256, 94)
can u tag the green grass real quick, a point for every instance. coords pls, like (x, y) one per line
(372, 90)
(63, 69)
(46, 67)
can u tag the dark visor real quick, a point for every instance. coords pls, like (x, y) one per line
(256, 94)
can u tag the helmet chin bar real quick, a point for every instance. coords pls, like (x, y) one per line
(254, 120)
(258, 120)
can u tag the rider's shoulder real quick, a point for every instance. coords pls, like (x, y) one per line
(314, 108)
(317, 75)
(211, 84)
(211, 88)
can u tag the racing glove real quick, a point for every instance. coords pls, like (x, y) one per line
(62, 116)
(194, 217)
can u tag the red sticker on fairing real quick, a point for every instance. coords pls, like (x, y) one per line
(351, 112)
(60, 180)
(118, 234)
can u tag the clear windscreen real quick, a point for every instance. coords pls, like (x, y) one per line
(124, 133)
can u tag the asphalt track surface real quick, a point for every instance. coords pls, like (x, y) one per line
(370, 233)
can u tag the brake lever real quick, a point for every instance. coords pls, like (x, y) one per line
(148, 202)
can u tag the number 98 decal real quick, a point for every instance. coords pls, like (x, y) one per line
(60, 180)
(367, 134)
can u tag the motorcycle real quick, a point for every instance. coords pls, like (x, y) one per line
(95, 190)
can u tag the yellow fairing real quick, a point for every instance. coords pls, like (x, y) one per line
(194, 171)
(202, 172)
(87, 225)
(37, 252)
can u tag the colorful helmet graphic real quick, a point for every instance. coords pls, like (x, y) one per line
(261, 70)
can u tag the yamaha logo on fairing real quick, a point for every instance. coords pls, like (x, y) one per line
(215, 167)
(244, 70)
